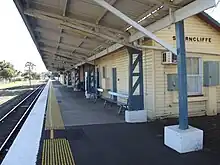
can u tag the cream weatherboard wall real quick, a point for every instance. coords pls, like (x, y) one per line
(158, 101)
(194, 27)
(118, 60)
(149, 82)
(166, 102)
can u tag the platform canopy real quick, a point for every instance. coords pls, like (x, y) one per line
(68, 33)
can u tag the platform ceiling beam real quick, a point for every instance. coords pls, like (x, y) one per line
(55, 55)
(60, 62)
(112, 2)
(62, 19)
(61, 30)
(180, 14)
(50, 42)
(187, 11)
(61, 53)
(135, 24)
(67, 53)
(58, 58)
(71, 36)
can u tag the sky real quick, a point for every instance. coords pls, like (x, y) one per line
(16, 44)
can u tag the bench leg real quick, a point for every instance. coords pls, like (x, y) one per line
(95, 98)
(105, 103)
(119, 110)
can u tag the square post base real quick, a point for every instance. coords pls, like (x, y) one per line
(87, 95)
(183, 141)
(138, 116)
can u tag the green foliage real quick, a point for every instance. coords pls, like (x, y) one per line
(35, 76)
(25, 75)
(7, 70)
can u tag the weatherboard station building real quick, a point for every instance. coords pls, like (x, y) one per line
(202, 39)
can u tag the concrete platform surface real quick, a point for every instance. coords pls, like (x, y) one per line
(77, 110)
(107, 140)
(126, 144)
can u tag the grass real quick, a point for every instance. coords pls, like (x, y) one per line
(18, 83)
(6, 95)
(6, 98)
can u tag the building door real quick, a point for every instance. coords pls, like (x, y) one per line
(114, 82)
(97, 78)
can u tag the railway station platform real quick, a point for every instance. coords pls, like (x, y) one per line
(75, 131)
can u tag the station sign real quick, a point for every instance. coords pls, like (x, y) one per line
(196, 39)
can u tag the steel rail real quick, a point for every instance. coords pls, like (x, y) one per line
(19, 104)
(22, 117)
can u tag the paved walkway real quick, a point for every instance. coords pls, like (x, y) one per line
(76, 110)
(91, 140)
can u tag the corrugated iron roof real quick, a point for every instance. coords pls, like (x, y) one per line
(77, 29)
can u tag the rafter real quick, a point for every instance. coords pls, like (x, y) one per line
(66, 52)
(112, 2)
(35, 13)
(64, 24)
(169, 3)
(54, 55)
(79, 45)
(79, 49)
(61, 30)
(71, 36)
(90, 31)
(147, 14)
(57, 57)
(189, 10)
(58, 61)
(137, 26)
(63, 53)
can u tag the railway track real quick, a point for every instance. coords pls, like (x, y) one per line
(13, 120)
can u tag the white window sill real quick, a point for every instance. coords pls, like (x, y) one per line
(192, 99)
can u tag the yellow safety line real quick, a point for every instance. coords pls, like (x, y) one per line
(43, 153)
(55, 151)
(53, 117)
(50, 108)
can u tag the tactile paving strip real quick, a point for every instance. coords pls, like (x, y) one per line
(57, 152)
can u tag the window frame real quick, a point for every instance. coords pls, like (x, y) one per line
(200, 77)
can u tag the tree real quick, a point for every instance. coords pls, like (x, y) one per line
(7, 70)
(29, 66)
(35, 76)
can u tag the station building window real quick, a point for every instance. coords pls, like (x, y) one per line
(103, 72)
(194, 76)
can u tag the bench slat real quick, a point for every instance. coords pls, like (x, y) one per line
(118, 94)
(100, 89)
